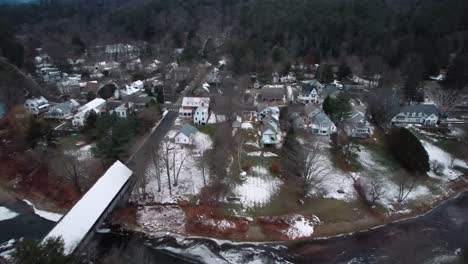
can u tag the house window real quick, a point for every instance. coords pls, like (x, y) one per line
(413, 115)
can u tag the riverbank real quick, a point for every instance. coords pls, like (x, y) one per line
(257, 230)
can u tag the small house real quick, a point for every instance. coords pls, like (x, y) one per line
(264, 110)
(37, 105)
(271, 133)
(63, 110)
(185, 135)
(124, 110)
(321, 124)
(356, 125)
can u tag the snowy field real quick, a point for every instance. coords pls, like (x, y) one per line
(258, 188)
(83, 153)
(446, 159)
(190, 179)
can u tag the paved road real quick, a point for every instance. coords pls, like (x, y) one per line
(137, 162)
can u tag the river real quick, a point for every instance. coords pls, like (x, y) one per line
(437, 237)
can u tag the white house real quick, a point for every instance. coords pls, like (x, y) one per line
(201, 115)
(190, 104)
(185, 135)
(310, 92)
(95, 105)
(271, 132)
(37, 105)
(63, 110)
(321, 124)
(425, 114)
(124, 109)
(133, 88)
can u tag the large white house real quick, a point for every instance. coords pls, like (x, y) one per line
(95, 105)
(310, 92)
(425, 114)
(201, 115)
(190, 104)
(37, 105)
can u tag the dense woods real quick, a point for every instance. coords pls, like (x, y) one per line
(263, 34)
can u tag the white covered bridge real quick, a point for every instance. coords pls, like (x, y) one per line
(78, 225)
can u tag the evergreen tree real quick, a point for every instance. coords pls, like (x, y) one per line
(344, 71)
(457, 73)
(337, 108)
(408, 150)
(90, 122)
(35, 252)
(292, 153)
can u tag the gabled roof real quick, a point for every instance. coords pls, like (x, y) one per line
(188, 130)
(321, 118)
(311, 110)
(195, 101)
(273, 93)
(308, 86)
(64, 107)
(428, 109)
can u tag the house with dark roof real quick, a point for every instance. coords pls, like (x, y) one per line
(310, 92)
(271, 132)
(63, 110)
(273, 95)
(185, 135)
(424, 114)
(357, 125)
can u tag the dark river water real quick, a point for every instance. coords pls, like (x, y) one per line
(441, 236)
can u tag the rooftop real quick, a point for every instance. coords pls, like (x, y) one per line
(77, 223)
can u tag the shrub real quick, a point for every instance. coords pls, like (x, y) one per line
(408, 150)
(275, 168)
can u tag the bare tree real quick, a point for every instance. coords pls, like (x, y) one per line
(446, 99)
(375, 191)
(405, 184)
(177, 163)
(315, 168)
(166, 148)
(155, 158)
(73, 169)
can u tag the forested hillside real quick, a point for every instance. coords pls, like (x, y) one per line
(259, 33)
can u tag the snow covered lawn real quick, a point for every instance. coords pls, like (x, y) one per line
(257, 190)
(83, 153)
(444, 158)
(190, 179)
(300, 227)
(169, 218)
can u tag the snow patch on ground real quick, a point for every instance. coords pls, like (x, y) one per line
(257, 190)
(190, 180)
(6, 214)
(301, 227)
(262, 154)
(246, 125)
(251, 143)
(83, 153)
(44, 214)
(215, 118)
(154, 219)
(436, 153)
